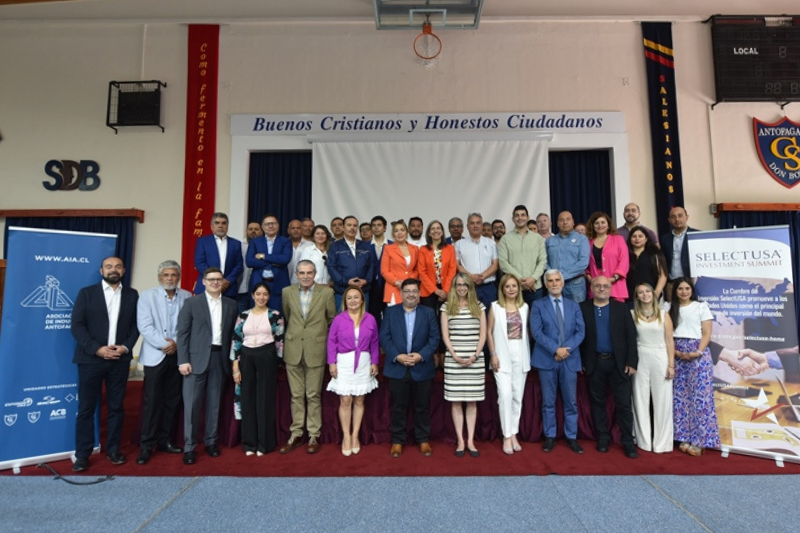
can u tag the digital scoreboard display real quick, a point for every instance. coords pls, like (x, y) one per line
(756, 58)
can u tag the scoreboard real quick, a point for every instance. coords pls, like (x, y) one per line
(756, 58)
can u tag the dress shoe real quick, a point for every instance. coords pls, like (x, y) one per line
(144, 456)
(313, 445)
(117, 458)
(189, 458)
(213, 450)
(602, 446)
(347, 453)
(169, 448)
(459, 453)
(425, 449)
(293, 443)
(474, 453)
(80, 464)
(574, 446)
(630, 451)
(397, 450)
(549, 444)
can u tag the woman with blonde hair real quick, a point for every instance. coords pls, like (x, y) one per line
(353, 364)
(398, 263)
(463, 324)
(653, 378)
(508, 343)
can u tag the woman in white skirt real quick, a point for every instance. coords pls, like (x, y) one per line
(353, 361)
(508, 344)
(653, 379)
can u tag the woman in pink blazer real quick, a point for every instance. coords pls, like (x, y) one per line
(398, 263)
(609, 255)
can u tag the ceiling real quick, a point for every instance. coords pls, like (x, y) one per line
(363, 10)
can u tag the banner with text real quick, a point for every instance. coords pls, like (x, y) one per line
(745, 276)
(663, 105)
(38, 381)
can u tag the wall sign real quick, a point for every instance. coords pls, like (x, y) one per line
(778, 146)
(69, 175)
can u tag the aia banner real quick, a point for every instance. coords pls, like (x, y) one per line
(779, 149)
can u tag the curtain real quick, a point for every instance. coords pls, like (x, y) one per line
(752, 219)
(280, 184)
(122, 227)
(580, 182)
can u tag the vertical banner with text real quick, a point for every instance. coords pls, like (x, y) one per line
(745, 276)
(38, 381)
(665, 143)
(201, 141)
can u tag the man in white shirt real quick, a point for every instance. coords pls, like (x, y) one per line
(476, 256)
(295, 230)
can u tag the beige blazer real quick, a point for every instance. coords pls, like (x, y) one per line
(307, 338)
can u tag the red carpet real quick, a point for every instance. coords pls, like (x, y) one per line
(374, 460)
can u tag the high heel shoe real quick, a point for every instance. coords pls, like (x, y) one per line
(356, 449)
(684, 447)
(694, 451)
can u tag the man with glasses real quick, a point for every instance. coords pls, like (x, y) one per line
(204, 334)
(269, 256)
(456, 228)
(409, 337)
(610, 357)
(220, 251)
(557, 327)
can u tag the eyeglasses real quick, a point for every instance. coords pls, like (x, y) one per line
(215, 280)
(269, 224)
(410, 291)
(601, 287)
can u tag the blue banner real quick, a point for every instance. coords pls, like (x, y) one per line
(745, 276)
(38, 382)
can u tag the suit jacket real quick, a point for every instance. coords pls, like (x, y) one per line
(623, 336)
(376, 263)
(424, 341)
(343, 267)
(195, 333)
(206, 255)
(277, 261)
(544, 328)
(306, 338)
(90, 323)
(152, 319)
(427, 270)
(394, 268)
(666, 248)
(616, 260)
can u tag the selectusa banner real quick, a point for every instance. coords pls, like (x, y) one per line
(38, 381)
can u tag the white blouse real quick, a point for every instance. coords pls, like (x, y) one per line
(692, 316)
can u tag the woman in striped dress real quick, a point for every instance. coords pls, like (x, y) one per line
(463, 321)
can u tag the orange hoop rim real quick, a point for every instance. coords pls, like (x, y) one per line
(427, 31)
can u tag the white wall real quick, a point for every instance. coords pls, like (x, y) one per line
(54, 84)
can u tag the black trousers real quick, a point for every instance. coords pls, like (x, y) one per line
(162, 401)
(259, 368)
(404, 391)
(91, 376)
(606, 372)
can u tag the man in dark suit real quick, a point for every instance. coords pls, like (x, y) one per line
(609, 356)
(269, 257)
(557, 327)
(409, 337)
(219, 250)
(104, 327)
(350, 262)
(379, 240)
(204, 333)
(674, 245)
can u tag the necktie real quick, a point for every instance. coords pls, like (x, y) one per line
(560, 322)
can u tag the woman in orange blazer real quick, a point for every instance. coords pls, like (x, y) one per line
(398, 263)
(437, 266)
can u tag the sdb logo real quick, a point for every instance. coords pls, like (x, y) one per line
(70, 175)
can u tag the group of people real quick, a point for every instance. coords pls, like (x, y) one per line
(322, 299)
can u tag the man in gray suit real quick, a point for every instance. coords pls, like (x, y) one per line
(309, 309)
(205, 329)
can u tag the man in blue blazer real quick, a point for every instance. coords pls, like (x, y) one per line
(207, 253)
(350, 263)
(104, 327)
(557, 327)
(269, 256)
(409, 337)
(674, 245)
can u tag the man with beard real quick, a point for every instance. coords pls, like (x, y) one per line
(308, 229)
(253, 231)
(157, 319)
(104, 327)
(631, 214)
(415, 230)
(498, 230)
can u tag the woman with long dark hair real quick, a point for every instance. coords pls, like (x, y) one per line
(647, 264)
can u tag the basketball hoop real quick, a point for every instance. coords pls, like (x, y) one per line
(427, 45)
